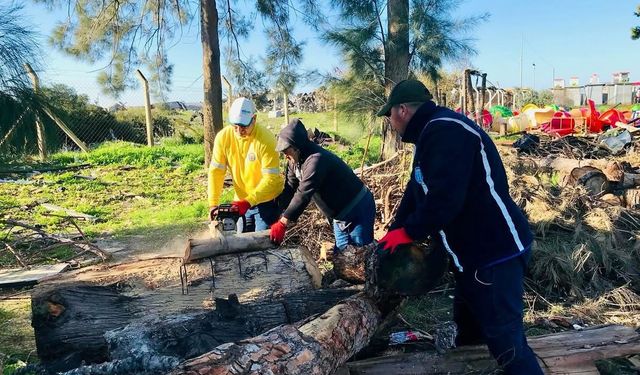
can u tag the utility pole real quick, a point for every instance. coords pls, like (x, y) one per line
(534, 76)
(521, 62)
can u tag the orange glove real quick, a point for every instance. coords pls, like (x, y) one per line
(242, 206)
(393, 239)
(277, 232)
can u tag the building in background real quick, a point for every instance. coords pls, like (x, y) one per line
(619, 91)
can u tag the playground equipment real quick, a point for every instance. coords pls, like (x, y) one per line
(561, 124)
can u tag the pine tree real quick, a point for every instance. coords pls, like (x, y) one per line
(414, 38)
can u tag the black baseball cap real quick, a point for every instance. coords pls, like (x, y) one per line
(407, 91)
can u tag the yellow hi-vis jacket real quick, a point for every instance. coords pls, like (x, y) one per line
(253, 163)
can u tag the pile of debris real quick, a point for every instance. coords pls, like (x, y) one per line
(583, 205)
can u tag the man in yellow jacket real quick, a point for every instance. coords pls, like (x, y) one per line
(248, 151)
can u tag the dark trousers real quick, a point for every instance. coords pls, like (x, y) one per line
(488, 309)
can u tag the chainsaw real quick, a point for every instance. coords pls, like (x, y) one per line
(228, 220)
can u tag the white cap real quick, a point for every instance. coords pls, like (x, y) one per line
(241, 112)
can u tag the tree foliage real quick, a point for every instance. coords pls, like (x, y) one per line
(18, 46)
(635, 31)
(18, 102)
(436, 37)
(124, 33)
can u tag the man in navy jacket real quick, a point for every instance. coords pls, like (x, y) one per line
(458, 195)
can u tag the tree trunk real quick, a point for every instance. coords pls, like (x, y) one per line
(317, 347)
(396, 63)
(158, 345)
(572, 352)
(212, 104)
(69, 330)
(594, 181)
(222, 244)
(612, 169)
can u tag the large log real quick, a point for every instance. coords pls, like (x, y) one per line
(317, 347)
(158, 345)
(612, 169)
(323, 344)
(591, 178)
(219, 244)
(70, 314)
(572, 352)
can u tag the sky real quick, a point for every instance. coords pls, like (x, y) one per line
(563, 38)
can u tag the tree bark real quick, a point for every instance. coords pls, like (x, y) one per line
(572, 352)
(612, 169)
(317, 347)
(212, 104)
(69, 330)
(158, 345)
(221, 244)
(594, 181)
(396, 64)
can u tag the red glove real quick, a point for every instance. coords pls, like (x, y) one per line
(277, 232)
(213, 211)
(242, 206)
(395, 238)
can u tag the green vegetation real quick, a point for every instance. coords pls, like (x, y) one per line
(17, 343)
(131, 189)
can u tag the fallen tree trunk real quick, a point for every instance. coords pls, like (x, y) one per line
(593, 180)
(317, 347)
(612, 169)
(71, 313)
(572, 352)
(226, 244)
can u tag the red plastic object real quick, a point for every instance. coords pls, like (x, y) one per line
(611, 116)
(593, 118)
(561, 124)
(486, 119)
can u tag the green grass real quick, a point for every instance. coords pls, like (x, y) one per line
(348, 129)
(17, 342)
(135, 190)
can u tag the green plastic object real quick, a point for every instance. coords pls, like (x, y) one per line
(501, 111)
(635, 107)
(554, 106)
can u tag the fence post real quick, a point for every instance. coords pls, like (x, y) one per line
(229, 92)
(147, 107)
(286, 107)
(42, 142)
(335, 113)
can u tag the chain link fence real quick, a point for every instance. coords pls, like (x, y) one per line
(71, 117)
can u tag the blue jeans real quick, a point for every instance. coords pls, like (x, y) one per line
(357, 227)
(263, 215)
(488, 309)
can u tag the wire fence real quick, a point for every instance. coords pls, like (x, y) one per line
(74, 117)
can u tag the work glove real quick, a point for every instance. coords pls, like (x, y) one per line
(277, 232)
(393, 239)
(213, 211)
(242, 206)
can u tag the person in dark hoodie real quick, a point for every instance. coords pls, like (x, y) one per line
(458, 195)
(315, 173)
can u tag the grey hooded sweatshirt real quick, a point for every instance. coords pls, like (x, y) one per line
(319, 174)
